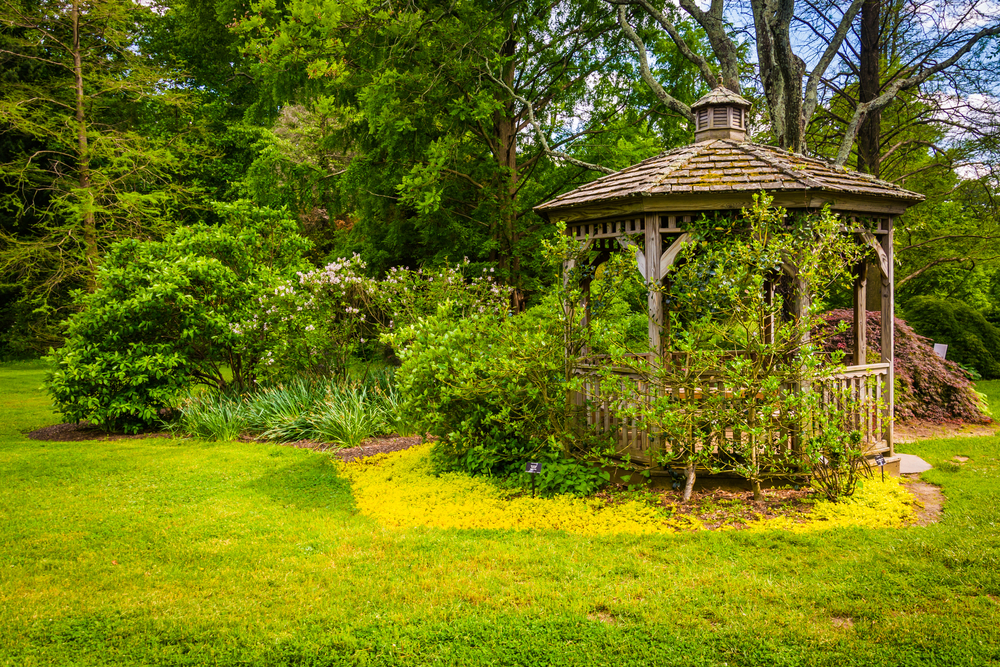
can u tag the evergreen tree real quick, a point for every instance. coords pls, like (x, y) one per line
(94, 131)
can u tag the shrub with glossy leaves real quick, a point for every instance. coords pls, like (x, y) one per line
(170, 313)
(972, 340)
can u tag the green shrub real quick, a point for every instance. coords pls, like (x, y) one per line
(170, 313)
(972, 340)
(494, 390)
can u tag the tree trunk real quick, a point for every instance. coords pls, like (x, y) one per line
(781, 71)
(505, 128)
(869, 153)
(83, 158)
(689, 480)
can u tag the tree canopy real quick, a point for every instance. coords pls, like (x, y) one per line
(420, 133)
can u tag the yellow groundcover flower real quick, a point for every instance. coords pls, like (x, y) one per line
(876, 504)
(401, 490)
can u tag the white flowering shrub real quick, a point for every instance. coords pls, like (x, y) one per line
(316, 322)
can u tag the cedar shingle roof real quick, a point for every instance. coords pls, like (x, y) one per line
(724, 165)
(720, 95)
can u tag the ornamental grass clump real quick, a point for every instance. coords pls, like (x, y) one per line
(212, 416)
(349, 416)
(323, 411)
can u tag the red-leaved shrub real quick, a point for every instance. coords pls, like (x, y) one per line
(927, 386)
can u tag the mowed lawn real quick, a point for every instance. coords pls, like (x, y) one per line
(185, 552)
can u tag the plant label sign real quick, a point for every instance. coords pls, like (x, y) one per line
(879, 460)
(534, 468)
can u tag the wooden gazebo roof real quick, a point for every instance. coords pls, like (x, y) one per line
(728, 167)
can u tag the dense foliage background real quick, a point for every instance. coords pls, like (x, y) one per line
(423, 134)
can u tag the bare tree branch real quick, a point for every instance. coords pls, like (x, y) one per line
(943, 260)
(703, 65)
(988, 237)
(812, 84)
(899, 85)
(541, 134)
(668, 100)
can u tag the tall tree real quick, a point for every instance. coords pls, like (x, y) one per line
(793, 89)
(460, 118)
(84, 174)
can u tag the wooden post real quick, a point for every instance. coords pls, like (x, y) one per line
(888, 335)
(860, 347)
(800, 304)
(585, 302)
(652, 253)
(568, 308)
(769, 320)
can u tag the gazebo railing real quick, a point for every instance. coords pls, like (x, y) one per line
(859, 391)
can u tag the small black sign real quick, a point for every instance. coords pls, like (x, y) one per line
(533, 468)
(879, 460)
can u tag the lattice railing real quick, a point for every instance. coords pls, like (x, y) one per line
(858, 390)
(861, 390)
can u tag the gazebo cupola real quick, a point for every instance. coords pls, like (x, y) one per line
(721, 114)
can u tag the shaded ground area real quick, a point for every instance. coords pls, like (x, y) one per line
(929, 500)
(72, 432)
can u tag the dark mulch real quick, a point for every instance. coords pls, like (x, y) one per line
(379, 446)
(374, 446)
(737, 509)
(71, 432)
(371, 446)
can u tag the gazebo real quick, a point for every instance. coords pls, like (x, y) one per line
(718, 174)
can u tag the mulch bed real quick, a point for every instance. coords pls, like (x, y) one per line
(73, 432)
(371, 447)
(718, 508)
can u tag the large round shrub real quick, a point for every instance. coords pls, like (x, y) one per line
(972, 340)
(494, 390)
(170, 313)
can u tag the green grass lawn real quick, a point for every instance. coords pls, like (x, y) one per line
(173, 552)
(991, 389)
